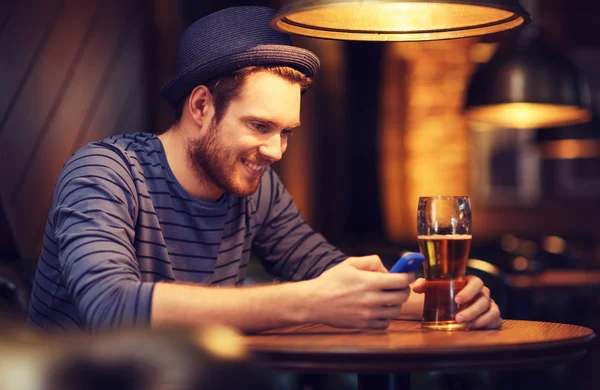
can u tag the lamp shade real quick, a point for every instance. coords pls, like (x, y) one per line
(528, 85)
(398, 20)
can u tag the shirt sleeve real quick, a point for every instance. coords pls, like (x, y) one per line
(93, 215)
(287, 246)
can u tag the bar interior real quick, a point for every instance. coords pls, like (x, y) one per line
(506, 114)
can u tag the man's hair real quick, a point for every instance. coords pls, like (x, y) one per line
(228, 87)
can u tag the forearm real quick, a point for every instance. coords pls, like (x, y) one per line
(354, 294)
(247, 309)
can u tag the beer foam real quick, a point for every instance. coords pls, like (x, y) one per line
(446, 237)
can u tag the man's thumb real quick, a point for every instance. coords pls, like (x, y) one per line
(418, 286)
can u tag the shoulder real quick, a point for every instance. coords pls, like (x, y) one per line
(104, 163)
(95, 157)
(117, 153)
(100, 171)
(140, 146)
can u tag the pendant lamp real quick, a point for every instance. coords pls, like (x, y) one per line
(398, 20)
(528, 85)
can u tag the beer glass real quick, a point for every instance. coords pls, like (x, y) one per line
(444, 234)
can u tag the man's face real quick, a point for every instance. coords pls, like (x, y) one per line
(253, 133)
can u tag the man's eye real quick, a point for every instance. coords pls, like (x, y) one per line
(259, 126)
(287, 133)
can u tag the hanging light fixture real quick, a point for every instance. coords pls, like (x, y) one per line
(398, 20)
(528, 85)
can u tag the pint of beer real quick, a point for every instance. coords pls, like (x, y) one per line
(444, 226)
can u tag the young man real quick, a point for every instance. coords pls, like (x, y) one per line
(143, 228)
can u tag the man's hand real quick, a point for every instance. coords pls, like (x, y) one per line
(358, 293)
(482, 312)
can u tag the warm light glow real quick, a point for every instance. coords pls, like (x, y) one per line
(570, 148)
(482, 52)
(436, 134)
(392, 20)
(423, 135)
(509, 243)
(555, 244)
(527, 248)
(520, 263)
(222, 342)
(484, 266)
(528, 115)
(391, 147)
(24, 366)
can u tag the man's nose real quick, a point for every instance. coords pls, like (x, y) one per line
(272, 148)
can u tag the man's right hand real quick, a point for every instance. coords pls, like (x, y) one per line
(358, 293)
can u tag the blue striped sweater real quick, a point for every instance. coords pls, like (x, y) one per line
(120, 222)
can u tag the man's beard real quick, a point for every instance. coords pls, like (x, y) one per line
(216, 165)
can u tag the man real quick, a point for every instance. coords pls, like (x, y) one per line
(143, 228)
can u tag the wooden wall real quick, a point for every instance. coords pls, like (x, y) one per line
(72, 72)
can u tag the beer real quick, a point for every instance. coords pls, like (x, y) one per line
(445, 267)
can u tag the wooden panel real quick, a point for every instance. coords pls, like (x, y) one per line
(86, 80)
(8, 251)
(300, 164)
(44, 89)
(7, 7)
(393, 102)
(163, 38)
(78, 103)
(104, 103)
(22, 38)
(559, 279)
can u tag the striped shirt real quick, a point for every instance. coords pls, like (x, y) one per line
(120, 222)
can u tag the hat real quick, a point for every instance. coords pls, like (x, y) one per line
(231, 39)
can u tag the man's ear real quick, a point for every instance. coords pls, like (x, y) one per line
(200, 105)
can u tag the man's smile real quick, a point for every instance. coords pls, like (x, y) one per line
(255, 168)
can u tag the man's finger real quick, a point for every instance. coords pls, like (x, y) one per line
(380, 282)
(387, 312)
(379, 323)
(470, 291)
(391, 297)
(479, 306)
(489, 320)
(418, 285)
(368, 263)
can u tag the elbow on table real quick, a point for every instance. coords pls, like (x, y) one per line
(125, 304)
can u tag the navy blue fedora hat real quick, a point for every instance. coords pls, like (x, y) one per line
(231, 39)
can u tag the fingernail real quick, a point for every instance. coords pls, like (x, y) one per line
(460, 318)
(459, 300)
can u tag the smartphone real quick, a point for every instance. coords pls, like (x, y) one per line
(410, 262)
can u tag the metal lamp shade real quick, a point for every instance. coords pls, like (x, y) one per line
(398, 20)
(528, 86)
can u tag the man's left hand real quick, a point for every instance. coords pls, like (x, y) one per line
(482, 312)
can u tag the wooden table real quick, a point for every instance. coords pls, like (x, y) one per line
(406, 348)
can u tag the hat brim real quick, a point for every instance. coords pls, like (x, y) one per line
(187, 79)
